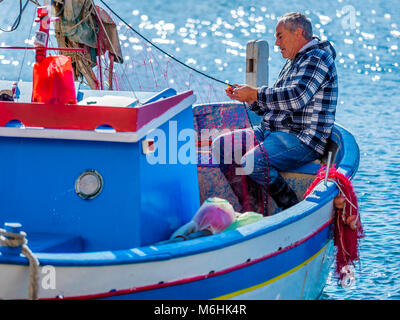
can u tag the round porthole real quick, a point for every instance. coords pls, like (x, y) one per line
(89, 184)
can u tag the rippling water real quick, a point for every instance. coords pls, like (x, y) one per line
(212, 36)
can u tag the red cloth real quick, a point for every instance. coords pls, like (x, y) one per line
(53, 81)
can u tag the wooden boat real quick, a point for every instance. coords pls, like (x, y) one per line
(105, 247)
(78, 181)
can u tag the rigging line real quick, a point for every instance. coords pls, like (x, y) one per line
(35, 2)
(25, 51)
(17, 21)
(158, 48)
(109, 40)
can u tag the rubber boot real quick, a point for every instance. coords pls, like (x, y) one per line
(246, 191)
(256, 195)
(282, 194)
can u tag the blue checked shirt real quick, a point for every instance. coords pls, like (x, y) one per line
(304, 97)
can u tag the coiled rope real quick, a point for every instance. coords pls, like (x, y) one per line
(13, 240)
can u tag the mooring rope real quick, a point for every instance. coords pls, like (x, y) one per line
(13, 240)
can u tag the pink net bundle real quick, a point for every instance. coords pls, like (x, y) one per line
(214, 215)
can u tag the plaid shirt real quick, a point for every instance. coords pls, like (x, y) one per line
(304, 97)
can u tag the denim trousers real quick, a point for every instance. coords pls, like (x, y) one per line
(261, 152)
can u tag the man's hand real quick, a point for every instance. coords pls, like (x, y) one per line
(242, 93)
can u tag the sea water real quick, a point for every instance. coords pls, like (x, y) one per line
(211, 35)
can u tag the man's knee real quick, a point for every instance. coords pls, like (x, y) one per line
(246, 165)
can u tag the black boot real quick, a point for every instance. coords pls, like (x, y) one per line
(248, 192)
(282, 194)
(236, 184)
(256, 195)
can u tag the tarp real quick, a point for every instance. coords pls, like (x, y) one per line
(81, 25)
(77, 23)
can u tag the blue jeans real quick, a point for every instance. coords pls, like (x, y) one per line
(284, 151)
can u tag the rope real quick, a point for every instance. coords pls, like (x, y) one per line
(13, 240)
(17, 21)
(25, 51)
(101, 26)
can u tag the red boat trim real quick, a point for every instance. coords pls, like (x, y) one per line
(87, 117)
(195, 278)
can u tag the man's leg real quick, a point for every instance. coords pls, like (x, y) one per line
(228, 150)
(284, 152)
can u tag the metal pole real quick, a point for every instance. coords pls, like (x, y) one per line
(328, 165)
(257, 54)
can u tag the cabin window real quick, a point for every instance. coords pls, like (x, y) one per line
(89, 184)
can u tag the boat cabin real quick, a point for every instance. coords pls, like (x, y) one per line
(79, 175)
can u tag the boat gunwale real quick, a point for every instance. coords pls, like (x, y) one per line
(195, 278)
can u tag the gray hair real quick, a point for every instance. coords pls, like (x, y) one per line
(294, 20)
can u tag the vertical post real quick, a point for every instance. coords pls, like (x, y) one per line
(257, 54)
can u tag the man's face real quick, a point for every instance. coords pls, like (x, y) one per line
(289, 42)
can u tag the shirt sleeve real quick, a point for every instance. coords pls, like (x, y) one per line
(255, 107)
(311, 73)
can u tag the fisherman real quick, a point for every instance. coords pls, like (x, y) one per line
(298, 110)
(6, 95)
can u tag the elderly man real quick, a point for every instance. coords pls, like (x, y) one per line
(298, 111)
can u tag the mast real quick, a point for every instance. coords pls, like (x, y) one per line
(84, 25)
(42, 36)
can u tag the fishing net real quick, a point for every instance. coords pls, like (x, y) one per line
(120, 58)
(128, 61)
(123, 59)
(147, 69)
(210, 122)
(347, 225)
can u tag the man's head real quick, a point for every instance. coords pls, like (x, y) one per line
(293, 31)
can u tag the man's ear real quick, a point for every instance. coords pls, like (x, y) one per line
(299, 32)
